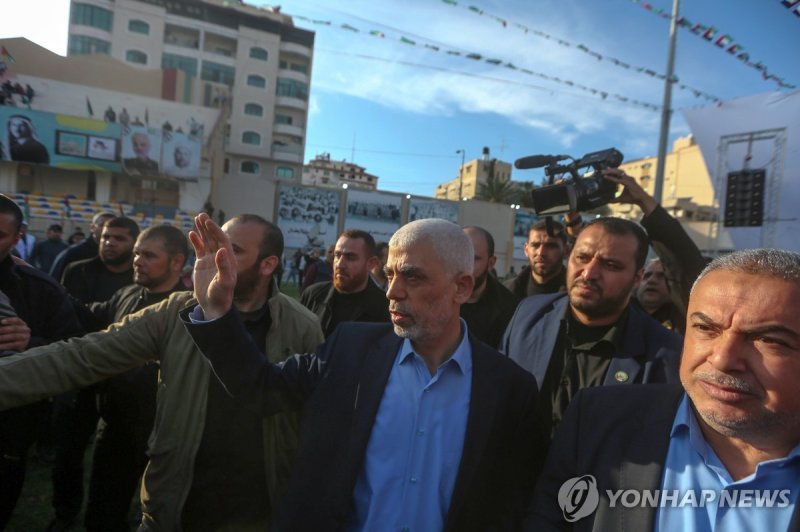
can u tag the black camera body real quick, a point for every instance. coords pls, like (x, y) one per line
(578, 193)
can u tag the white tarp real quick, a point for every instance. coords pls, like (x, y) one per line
(770, 111)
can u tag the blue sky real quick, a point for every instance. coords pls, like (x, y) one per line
(403, 111)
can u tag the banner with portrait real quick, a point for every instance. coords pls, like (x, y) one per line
(180, 155)
(419, 209)
(58, 140)
(522, 222)
(375, 212)
(141, 150)
(308, 217)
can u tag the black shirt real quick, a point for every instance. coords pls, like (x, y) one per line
(523, 285)
(488, 317)
(229, 488)
(581, 358)
(332, 308)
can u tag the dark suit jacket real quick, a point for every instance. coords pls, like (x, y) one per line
(347, 376)
(649, 352)
(621, 436)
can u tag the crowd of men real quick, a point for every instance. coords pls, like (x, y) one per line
(408, 388)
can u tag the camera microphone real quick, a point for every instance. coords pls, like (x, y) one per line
(538, 161)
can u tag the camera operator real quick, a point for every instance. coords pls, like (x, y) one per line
(664, 290)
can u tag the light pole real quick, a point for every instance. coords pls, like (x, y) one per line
(461, 175)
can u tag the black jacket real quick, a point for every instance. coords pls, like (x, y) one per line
(320, 299)
(488, 317)
(341, 387)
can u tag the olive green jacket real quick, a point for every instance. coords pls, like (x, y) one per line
(156, 332)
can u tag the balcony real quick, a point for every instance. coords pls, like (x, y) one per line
(293, 103)
(296, 49)
(288, 129)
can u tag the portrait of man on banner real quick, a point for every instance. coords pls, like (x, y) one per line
(141, 149)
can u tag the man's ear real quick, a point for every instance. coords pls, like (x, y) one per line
(490, 263)
(176, 263)
(465, 282)
(268, 265)
(372, 262)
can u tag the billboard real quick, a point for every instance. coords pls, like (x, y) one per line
(419, 209)
(308, 217)
(374, 212)
(141, 150)
(180, 155)
(522, 221)
(59, 140)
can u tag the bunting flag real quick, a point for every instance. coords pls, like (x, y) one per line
(89, 107)
(585, 49)
(725, 41)
(507, 65)
(7, 55)
(793, 6)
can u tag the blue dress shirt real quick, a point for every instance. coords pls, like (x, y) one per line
(692, 465)
(414, 450)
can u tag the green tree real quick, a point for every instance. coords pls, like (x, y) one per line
(497, 191)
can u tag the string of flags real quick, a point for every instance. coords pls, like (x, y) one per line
(793, 6)
(723, 41)
(585, 49)
(488, 60)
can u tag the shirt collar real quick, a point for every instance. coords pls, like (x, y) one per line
(462, 356)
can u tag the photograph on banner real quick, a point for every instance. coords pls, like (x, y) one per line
(180, 155)
(141, 150)
(375, 212)
(522, 222)
(419, 209)
(58, 140)
(308, 217)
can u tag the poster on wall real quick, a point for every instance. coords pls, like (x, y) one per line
(522, 221)
(419, 209)
(375, 212)
(57, 140)
(141, 150)
(308, 217)
(180, 155)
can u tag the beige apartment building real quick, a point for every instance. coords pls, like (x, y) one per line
(471, 175)
(239, 73)
(321, 171)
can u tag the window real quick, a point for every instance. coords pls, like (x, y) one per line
(283, 119)
(253, 109)
(94, 16)
(291, 88)
(217, 73)
(258, 53)
(249, 167)
(284, 172)
(135, 56)
(251, 137)
(256, 81)
(81, 44)
(139, 26)
(180, 62)
(299, 68)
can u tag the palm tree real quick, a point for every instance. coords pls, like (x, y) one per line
(497, 190)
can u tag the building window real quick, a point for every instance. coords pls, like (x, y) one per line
(81, 44)
(226, 165)
(135, 56)
(291, 88)
(256, 81)
(283, 119)
(217, 73)
(180, 62)
(251, 137)
(139, 26)
(249, 167)
(253, 109)
(94, 16)
(258, 53)
(299, 68)
(284, 172)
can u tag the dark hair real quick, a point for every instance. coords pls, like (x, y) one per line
(622, 227)
(175, 242)
(380, 246)
(369, 242)
(9, 206)
(125, 223)
(486, 235)
(541, 225)
(272, 241)
(55, 227)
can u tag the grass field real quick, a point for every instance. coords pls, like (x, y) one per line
(33, 511)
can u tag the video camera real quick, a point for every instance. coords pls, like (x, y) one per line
(579, 193)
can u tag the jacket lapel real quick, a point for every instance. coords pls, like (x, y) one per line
(482, 406)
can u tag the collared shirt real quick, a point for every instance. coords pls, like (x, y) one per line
(414, 450)
(693, 465)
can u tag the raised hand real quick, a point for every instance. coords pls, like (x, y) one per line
(632, 192)
(214, 271)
